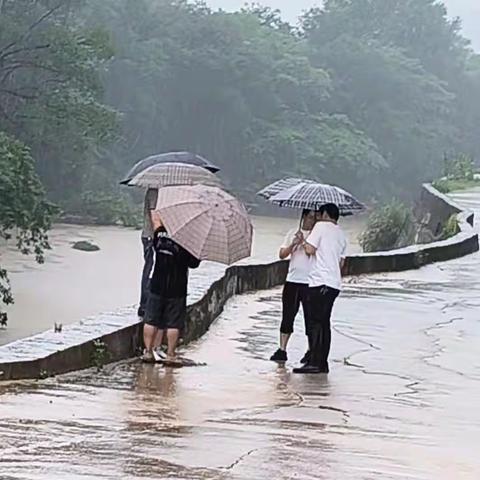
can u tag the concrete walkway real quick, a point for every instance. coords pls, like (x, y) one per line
(401, 401)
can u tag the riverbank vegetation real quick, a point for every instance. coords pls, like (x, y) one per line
(388, 227)
(459, 173)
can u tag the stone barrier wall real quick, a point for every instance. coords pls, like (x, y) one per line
(124, 340)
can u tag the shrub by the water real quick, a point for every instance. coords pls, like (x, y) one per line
(450, 228)
(388, 227)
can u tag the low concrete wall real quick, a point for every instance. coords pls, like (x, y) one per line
(123, 339)
(440, 208)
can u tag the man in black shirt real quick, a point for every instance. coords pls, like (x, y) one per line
(167, 303)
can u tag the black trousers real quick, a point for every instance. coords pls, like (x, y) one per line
(148, 259)
(294, 295)
(320, 336)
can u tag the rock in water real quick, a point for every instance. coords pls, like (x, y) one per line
(85, 246)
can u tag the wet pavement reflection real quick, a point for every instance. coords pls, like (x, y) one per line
(401, 401)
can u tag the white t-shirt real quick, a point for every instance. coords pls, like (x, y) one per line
(331, 244)
(300, 263)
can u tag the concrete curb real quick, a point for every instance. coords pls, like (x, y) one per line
(122, 339)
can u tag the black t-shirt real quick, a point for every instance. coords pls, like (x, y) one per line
(170, 274)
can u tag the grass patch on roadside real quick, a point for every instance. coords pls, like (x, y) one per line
(447, 185)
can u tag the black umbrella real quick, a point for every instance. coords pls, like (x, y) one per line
(171, 157)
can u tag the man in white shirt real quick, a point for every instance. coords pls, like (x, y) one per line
(295, 291)
(327, 245)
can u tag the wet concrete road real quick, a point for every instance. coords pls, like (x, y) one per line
(401, 401)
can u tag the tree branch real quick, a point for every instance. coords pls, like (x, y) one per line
(24, 49)
(13, 93)
(32, 27)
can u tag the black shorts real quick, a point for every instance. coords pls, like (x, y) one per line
(165, 313)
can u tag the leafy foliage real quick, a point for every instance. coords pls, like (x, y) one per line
(388, 227)
(25, 215)
(237, 88)
(458, 174)
(51, 89)
(100, 355)
(451, 228)
(460, 167)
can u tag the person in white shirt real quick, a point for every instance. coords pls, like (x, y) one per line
(327, 245)
(295, 291)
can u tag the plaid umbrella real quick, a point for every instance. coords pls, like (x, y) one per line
(314, 195)
(169, 174)
(171, 157)
(207, 222)
(280, 185)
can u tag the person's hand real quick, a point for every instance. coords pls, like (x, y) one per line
(297, 240)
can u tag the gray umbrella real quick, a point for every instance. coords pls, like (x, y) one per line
(171, 157)
(174, 174)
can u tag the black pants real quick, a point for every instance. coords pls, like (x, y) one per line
(294, 295)
(321, 305)
(148, 258)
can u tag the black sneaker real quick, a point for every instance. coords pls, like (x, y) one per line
(306, 358)
(311, 369)
(308, 369)
(279, 356)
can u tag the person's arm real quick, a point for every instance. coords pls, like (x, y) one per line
(156, 220)
(290, 244)
(285, 252)
(192, 262)
(313, 240)
(188, 259)
(343, 258)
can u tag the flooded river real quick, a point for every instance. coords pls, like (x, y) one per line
(401, 401)
(73, 285)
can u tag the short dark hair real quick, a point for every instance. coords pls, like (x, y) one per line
(306, 211)
(331, 210)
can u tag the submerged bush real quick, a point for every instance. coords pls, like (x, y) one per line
(450, 228)
(388, 227)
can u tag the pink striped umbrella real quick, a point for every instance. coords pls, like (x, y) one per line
(208, 222)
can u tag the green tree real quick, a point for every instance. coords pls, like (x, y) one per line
(51, 90)
(391, 96)
(238, 88)
(25, 215)
(421, 30)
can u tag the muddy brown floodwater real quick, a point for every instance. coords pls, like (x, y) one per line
(401, 401)
(73, 285)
